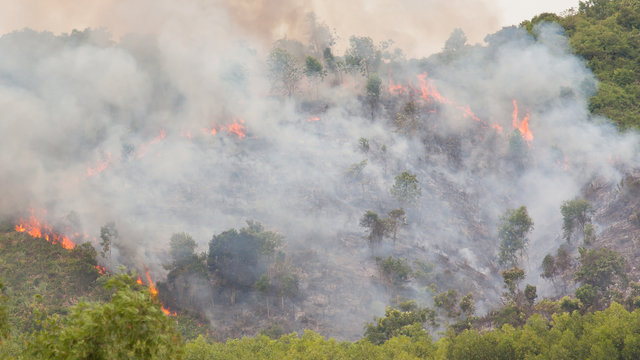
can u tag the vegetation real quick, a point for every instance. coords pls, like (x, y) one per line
(406, 188)
(515, 225)
(605, 33)
(131, 325)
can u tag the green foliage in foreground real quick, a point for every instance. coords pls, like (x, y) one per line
(611, 334)
(606, 33)
(130, 326)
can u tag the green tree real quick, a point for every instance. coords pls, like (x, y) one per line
(512, 279)
(4, 315)
(407, 121)
(373, 93)
(600, 267)
(467, 305)
(363, 55)
(394, 272)
(393, 222)
(376, 227)
(108, 236)
(284, 71)
(263, 285)
(576, 214)
(406, 188)
(238, 258)
(409, 320)
(313, 69)
(530, 294)
(131, 326)
(515, 224)
(181, 249)
(447, 301)
(548, 267)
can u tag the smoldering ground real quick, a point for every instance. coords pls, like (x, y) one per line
(182, 131)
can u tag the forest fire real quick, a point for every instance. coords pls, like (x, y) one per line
(430, 94)
(312, 119)
(154, 292)
(521, 125)
(40, 229)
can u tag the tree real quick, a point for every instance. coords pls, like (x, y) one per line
(131, 326)
(512, 279)
(313, 68)
(376, 227)
(395, 272)
(363, 55)
(4, 315)
(284, 71)
(393, 222)
(263, 285)
(548, 267)
(406, 188)
(447, 301)
(238, 258)
(600, 267)
(530, 294)
(108, 235)
(181, 249)
(467, 305)
(373, 93)
(512, 233)
(408, 320)
(454, 43)
(576, 214)
(407, 121)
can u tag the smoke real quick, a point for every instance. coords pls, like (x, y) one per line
(178, 130)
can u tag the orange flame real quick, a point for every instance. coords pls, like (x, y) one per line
(101, 270)
(152, 287)
(154, 293)
(144, 147)
(430, 94)
(35, 228)
(428, 90)
(100, 167)
(522, 126)
(236, 128)
(315, 118)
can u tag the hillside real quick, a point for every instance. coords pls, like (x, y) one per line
(479, 200)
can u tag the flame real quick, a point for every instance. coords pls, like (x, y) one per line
(154, 292)
(430, 94)
(428, 90)
(315, 118)
(522, 126)
(144, 147)
(102, 270)
(236, 128)
(152, 287)
(38, 229)
(100, 167)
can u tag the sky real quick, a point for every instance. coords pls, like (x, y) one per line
(419, 27)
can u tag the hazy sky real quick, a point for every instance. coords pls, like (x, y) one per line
(419, 27)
